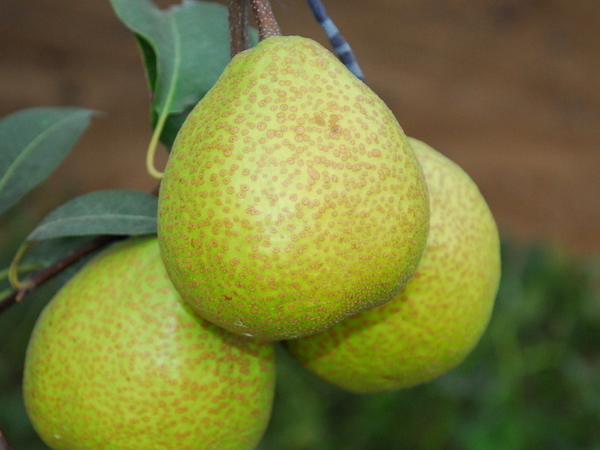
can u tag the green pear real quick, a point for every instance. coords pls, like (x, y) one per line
(116, 361)
(291, 198)
(441, 313)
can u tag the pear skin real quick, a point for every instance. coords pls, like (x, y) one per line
(117, 362)
(441, 313)
(291, 198)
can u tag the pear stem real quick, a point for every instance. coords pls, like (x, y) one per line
(238, 26)
(267, 24)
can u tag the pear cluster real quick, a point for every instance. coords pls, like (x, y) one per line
(293, 208)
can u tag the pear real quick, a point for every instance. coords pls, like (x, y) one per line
(441, 313)
(117, 362)
(291, 198)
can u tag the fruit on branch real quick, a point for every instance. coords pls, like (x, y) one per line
(117, 361)
(439, 316)
(291, 198)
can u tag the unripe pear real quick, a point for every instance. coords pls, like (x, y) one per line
(116, 361)
(441, 313)
(291, 198)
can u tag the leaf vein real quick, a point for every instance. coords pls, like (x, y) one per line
(29, 148)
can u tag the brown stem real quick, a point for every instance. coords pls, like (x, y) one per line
(39, 278)
(238, 26)
(4, 445)
(267, 25)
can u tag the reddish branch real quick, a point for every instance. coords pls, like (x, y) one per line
(4, 445)
(267, 25)
(39, 278)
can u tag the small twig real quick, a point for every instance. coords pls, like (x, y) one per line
(238, 26)
(39, 278)
(267, 25)
(4, 445)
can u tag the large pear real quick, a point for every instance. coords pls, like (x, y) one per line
(291, 198)
(117, 362)
(435, 321)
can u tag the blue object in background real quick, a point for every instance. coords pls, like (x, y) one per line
(340, 45)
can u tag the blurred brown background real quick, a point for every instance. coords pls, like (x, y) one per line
(509, 89)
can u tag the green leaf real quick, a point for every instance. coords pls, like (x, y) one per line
(114, 211)
(33, 143)
(47, 252)
(185, 49)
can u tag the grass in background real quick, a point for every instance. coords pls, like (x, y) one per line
(532, 382)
